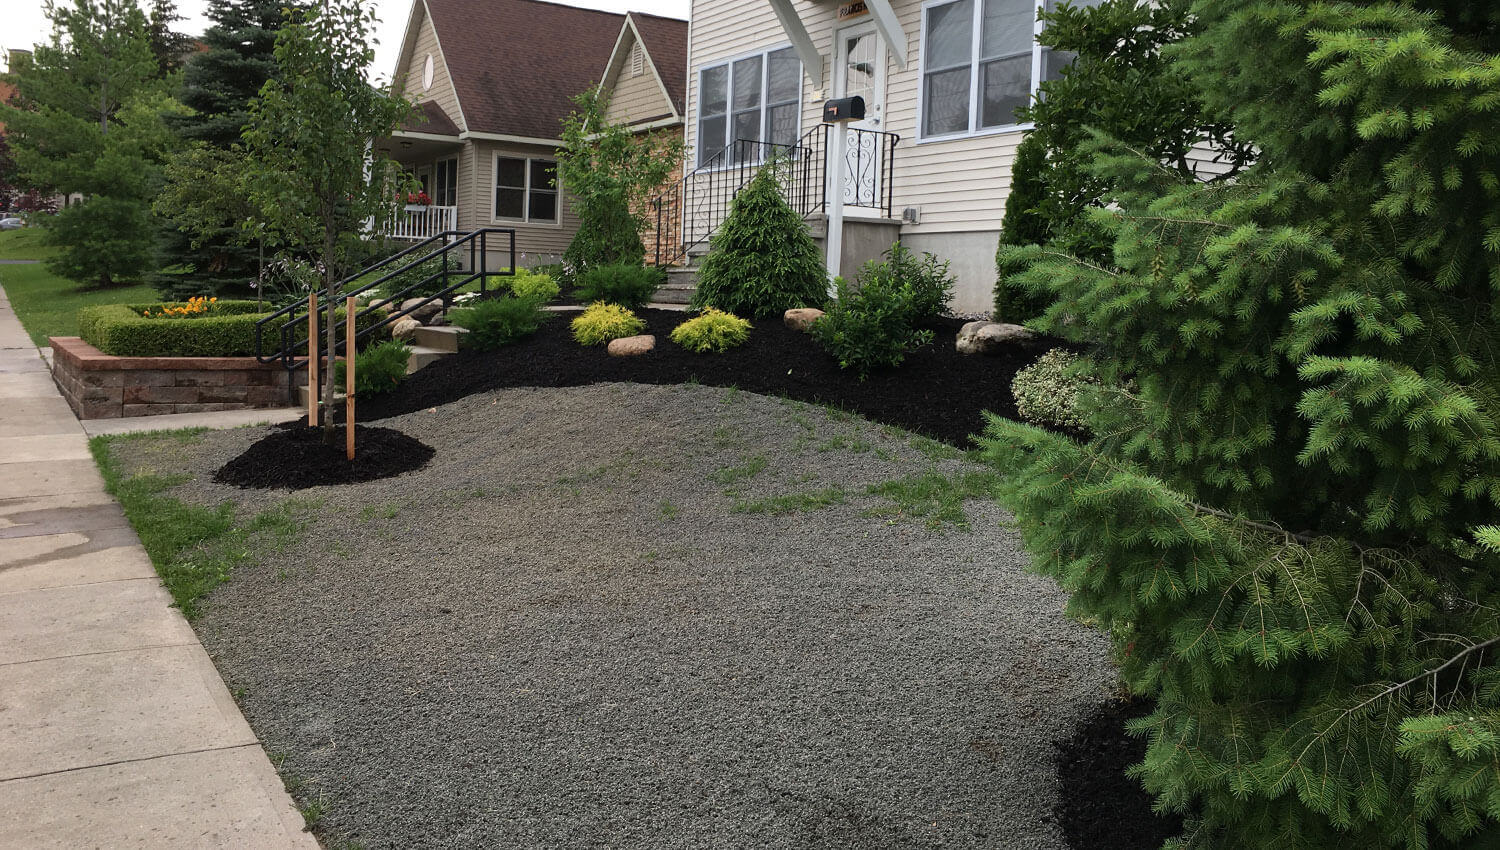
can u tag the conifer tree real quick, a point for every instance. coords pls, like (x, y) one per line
(1288, 522)
(92, 125)
(762, 261)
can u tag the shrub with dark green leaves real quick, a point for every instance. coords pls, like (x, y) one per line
(714, 331)
(378, 369)
(499, 321)
(228, 330)
(626, 284)
(927, 281)
(762, 262)
(599, 323)
(869, 328)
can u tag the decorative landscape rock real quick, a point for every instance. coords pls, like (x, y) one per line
(631, 346)
(439, 321)
(423, 312)
(989, 337)
(801, 318)
(404, 328)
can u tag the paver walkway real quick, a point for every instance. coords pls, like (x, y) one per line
(115, 728)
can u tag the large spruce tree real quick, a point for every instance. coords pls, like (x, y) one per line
(1288, 522)
(205, 248)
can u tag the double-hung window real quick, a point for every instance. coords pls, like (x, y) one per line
(445, 184)
(525, 189)
(755, 99)
(981, 62)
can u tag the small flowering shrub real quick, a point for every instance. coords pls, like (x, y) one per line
(714, 331)
(600, 323)
(378, 369)
(1046, 392)
(530, 283)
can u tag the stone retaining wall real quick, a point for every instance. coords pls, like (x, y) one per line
(103, 386)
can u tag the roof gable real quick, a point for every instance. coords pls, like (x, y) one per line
(666, 42)
(633, 83)
(420, 42)
(517, 64)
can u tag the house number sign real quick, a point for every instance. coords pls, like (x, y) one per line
(853, 9)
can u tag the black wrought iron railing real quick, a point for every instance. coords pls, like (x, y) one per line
(461, 258)
(691, 211)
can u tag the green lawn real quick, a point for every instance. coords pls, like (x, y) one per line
(47, 305)
(23, 244)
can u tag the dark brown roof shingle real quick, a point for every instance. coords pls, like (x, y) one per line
(430, 118)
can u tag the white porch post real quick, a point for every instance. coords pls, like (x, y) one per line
(834, 241)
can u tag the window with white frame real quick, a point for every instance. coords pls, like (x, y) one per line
(445, 183)
(981, 62)
(757, 99)
(525, 189)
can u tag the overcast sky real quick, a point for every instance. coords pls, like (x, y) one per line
(24, 22)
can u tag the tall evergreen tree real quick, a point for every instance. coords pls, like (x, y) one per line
(1288, 521)
(167, 44)
(204, 246)
(92, 125)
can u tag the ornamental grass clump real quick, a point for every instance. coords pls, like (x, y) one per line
(714, 331)
(600, 323)
(378, 369)
(1047, 391)
(497, 322)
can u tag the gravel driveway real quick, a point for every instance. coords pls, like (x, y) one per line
(650, 617)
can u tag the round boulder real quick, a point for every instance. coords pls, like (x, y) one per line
(801, 318)
(631, 346)
(989, 337)
(404, 328)
(414, 308)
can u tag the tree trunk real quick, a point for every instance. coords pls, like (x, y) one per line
(332, 333)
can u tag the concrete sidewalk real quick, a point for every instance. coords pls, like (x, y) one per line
(115, 728)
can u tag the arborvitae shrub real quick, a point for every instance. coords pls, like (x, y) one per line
(378, 369)
(762, 261)
(714, 331)
(629, 285)
(599, 323)
(496, 322)
(1024, 224)
(1287, 523)
(607, 234)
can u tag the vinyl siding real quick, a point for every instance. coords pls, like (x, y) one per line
(442, 90)
(634, 98)
(476, 205)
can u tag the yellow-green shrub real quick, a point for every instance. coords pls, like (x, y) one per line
(714, 330)
(600, 323)
(527, 283)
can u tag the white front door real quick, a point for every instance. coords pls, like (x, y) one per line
(860, 71)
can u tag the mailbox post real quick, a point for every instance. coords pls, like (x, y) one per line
(838, 113)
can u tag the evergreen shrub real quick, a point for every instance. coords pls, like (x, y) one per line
(762, 261)
(530, 283)
(496, 322)
(629, 285)
(378, 369)
(1047, 391)
(713, 331)
(869, 328)
(122, 330)
(599, 323)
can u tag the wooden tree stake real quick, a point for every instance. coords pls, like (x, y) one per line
(349, 359)
(312, 360)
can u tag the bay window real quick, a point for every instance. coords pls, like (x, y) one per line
(755, 99)
(981, 62)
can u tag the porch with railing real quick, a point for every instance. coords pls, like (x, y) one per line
(414, 223)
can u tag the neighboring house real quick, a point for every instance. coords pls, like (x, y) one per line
(493, 80)
(945, 76)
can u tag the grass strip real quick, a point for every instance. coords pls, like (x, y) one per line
(48, 305)
(934, 498)
(792, 503)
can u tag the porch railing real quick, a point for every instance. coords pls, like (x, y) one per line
(691, 211)
(417, 223)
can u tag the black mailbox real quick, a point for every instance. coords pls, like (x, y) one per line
(844, 109)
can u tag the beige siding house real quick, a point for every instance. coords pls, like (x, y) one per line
(945, 76)
(493, 80)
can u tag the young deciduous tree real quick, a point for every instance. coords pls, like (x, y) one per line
(611, 174)
(91, 123)
(1288, 524)
(315, 177)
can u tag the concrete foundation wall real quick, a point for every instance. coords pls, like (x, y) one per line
(972, 263)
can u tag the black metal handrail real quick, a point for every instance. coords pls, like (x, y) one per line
(691, 211)
(291, 333)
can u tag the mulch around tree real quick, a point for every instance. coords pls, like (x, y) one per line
(935, 392)
(1100, 807)
(298, 457)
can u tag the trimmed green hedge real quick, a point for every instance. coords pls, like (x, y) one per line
(229, 331)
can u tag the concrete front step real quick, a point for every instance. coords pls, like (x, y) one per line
(422, 355)
(441, 338)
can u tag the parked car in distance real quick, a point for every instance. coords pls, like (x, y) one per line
(11, 224)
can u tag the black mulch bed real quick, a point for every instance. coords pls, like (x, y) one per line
(1100, 807)
(297, 457)
(936, 392)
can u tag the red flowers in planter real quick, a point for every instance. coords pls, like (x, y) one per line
(419, 198)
